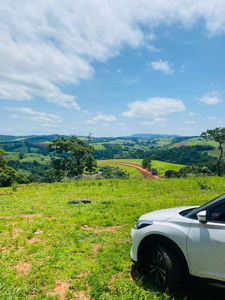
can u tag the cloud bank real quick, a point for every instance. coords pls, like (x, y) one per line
(46, 45)
(154, 107)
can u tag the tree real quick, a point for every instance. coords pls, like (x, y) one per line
(75, 156)
(7, 174)
(217, 135)
(146, 163)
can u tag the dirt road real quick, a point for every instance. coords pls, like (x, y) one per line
(146, 173)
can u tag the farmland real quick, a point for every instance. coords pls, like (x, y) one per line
(51, 249)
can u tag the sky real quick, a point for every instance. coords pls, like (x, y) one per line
(112, 68)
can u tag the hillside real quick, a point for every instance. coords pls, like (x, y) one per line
(116, 148)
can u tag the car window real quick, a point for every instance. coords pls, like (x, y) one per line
(193, 214)
(218, 214)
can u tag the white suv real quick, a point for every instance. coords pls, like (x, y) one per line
(177, 242)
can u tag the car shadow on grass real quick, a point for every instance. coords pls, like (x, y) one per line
(193, 290)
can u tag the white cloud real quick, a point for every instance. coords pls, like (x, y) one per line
(45, 44)
(118, 71)
(120, 124)
(192, 114)
(13, 116)
(211, 99)
(105, 117)
(36, 115)
(105, 71)
(190, 122)
(49, 125)
(154, 107)
(219, 121)
(86, 112)
(161, 66)
(157, 121)
(90, 122)
(104, 124)
(152, 48)
(182, 69)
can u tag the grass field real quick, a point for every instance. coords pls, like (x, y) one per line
(28, 157)
(161, 166)
(54, 250)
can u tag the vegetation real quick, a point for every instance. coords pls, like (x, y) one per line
(51, 249)
(74, 157)
(186, 155)
(30, 158)
(7, 174)
(113, 172)
(217, 135)
(146, 163)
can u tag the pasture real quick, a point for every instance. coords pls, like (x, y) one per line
(51, 249)
(160, 166)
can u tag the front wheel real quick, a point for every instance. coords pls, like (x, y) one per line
(164, 268)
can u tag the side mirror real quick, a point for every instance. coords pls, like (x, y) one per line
(202, 216)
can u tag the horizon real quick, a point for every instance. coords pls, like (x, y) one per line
(93, 136)
(112, 68)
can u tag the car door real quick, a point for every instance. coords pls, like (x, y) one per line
(206, 245)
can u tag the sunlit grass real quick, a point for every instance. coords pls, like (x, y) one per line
(160, 166)
(47, 242)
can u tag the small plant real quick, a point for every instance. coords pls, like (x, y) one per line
(203, 185)
(154, 172)
(15, 186)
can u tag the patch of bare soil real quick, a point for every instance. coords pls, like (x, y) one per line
(31, 216)
(38, 232)
(145, 172)
(60, 288)
(5, 250)
(95, 248)
(82, 274)
(23, 268)
(33, 240)
(16, 231)
(81, 295)
(178, 145)
(110, 228)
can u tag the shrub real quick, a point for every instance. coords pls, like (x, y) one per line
(146, 163)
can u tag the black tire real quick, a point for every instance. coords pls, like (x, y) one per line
(164, 268)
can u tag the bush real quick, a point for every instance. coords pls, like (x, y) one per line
(146, 163)
(154, 172)
(112, 172)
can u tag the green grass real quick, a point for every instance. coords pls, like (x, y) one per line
(133, 173)
(42, 159)
(98, 146)
(46, 242)
(28, 157)
(201, 141)
(161, 166)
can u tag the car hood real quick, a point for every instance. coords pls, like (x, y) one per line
(164, 214)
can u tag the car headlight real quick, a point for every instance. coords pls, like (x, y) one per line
(142, 224)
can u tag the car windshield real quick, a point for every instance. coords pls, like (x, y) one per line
(192, 213)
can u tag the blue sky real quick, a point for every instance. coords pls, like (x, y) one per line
(112, 68)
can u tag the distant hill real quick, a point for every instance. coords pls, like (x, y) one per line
(30, 138)
(7, 138)
(47, 138)
(152, 136)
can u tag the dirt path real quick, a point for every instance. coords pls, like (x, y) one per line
(146, 173)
